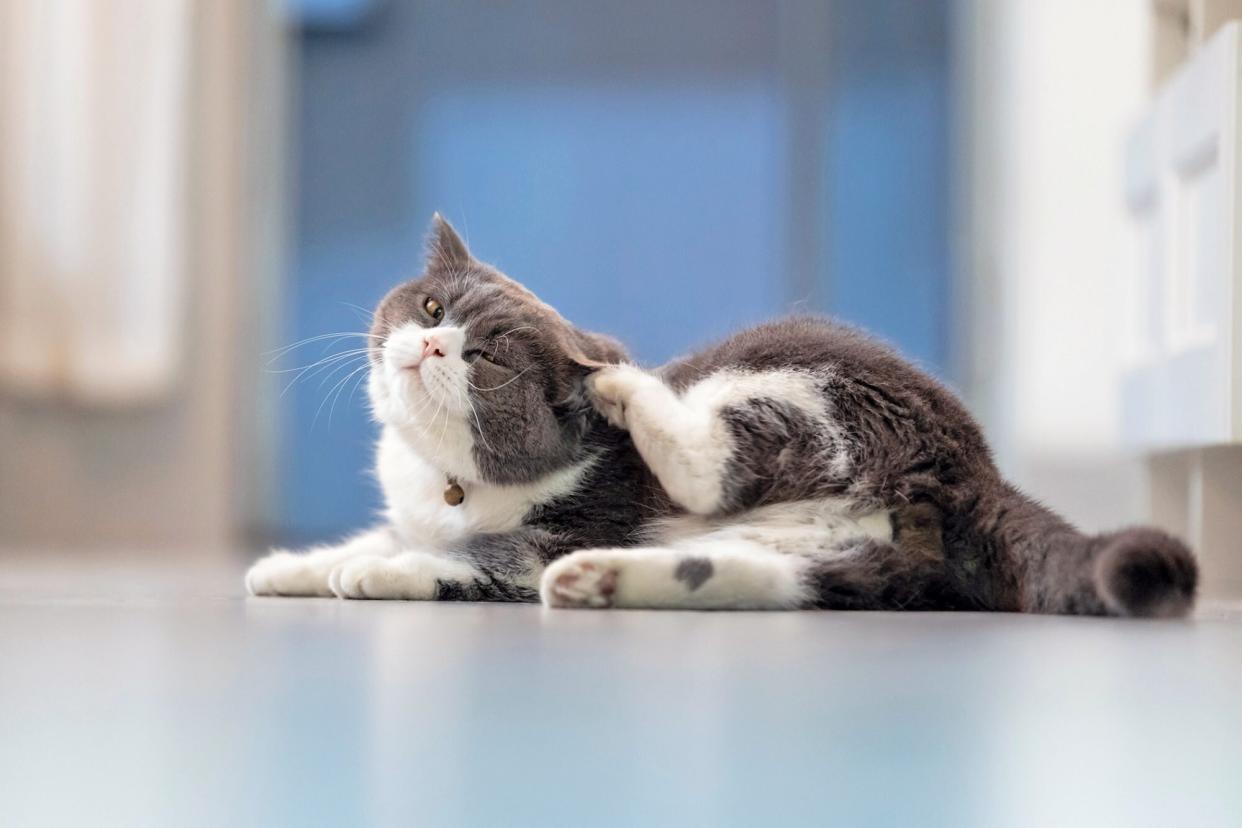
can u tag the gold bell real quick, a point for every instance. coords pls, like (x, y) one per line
(454, 494)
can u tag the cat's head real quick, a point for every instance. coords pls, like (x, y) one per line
(483, 379)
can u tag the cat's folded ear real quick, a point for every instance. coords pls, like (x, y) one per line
(445, 249)
(588, 352)
(592, 351)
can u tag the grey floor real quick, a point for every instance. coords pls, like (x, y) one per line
(152, 693)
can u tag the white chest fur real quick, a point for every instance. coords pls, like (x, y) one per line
(415, 505)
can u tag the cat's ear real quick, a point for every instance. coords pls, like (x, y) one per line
(445, 249)
(588, 352)
(592, 351)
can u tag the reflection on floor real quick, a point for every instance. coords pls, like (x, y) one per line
(153, 693)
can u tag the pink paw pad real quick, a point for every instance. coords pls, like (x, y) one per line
(585, 585)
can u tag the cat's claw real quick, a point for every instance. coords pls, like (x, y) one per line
(576, 583)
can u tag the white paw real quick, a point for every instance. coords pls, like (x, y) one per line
(403, 578)
(284, 573)
(581, 581)
(613, 388)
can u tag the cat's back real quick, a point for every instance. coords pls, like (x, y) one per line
(853, 368)
(795, 343)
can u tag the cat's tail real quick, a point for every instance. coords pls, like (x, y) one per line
(1139, 571)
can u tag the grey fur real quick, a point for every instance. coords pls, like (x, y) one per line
(694, 572)
(964, 538)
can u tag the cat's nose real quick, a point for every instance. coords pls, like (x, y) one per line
(432, 346)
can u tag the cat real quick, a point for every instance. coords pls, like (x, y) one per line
(797, 464)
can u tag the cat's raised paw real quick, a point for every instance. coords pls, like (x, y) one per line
(612, 388)
(579, 583)
(284, 573)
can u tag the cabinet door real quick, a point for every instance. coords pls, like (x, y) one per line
(1182, 190)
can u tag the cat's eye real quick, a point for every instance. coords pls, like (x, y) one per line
(472, 354)
(434, 309)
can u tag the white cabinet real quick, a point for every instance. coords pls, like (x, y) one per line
(1183, 376)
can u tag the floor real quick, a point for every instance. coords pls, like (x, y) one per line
(152, 693)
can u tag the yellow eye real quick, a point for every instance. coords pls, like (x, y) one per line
(434, 309)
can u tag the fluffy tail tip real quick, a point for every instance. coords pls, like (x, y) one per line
(1146, 573)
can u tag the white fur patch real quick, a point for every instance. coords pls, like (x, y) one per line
(427, 400)
(800, 527)
(414, 493)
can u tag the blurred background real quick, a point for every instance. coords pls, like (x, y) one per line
(187, 187)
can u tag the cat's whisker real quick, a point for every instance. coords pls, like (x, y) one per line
(502, 385)
(443, 428)
(478, 421)
(423, 405)
(309, 371)
(339, 387)
(327, 370)
(425, 427)
(319, 408)
(301, 373)
(319, 362)
(505, 335)
(330, 373)
(277, 353)
(335, 386)
(317, 338)
(368, 315)
(515, 330)
(361, 378)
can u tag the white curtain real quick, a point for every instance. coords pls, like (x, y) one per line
(93, 110)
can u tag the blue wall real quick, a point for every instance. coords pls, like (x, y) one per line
(632, 165)
(888, 175)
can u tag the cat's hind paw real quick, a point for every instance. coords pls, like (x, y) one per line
(578, 582)
(285, 573)
(612, 388)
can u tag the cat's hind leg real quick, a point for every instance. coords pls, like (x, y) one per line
(306, 573)
(842, 564)
(729, 440)
(670, 578)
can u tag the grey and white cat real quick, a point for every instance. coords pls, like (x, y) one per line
(798, 464)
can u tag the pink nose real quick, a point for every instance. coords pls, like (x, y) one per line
(431, 346)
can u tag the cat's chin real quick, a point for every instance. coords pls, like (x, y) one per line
(445, 444)
(404, 402)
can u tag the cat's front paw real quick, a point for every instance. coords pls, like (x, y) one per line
(611, 390)
(403, 578)
(579, 581)
(284, 573)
